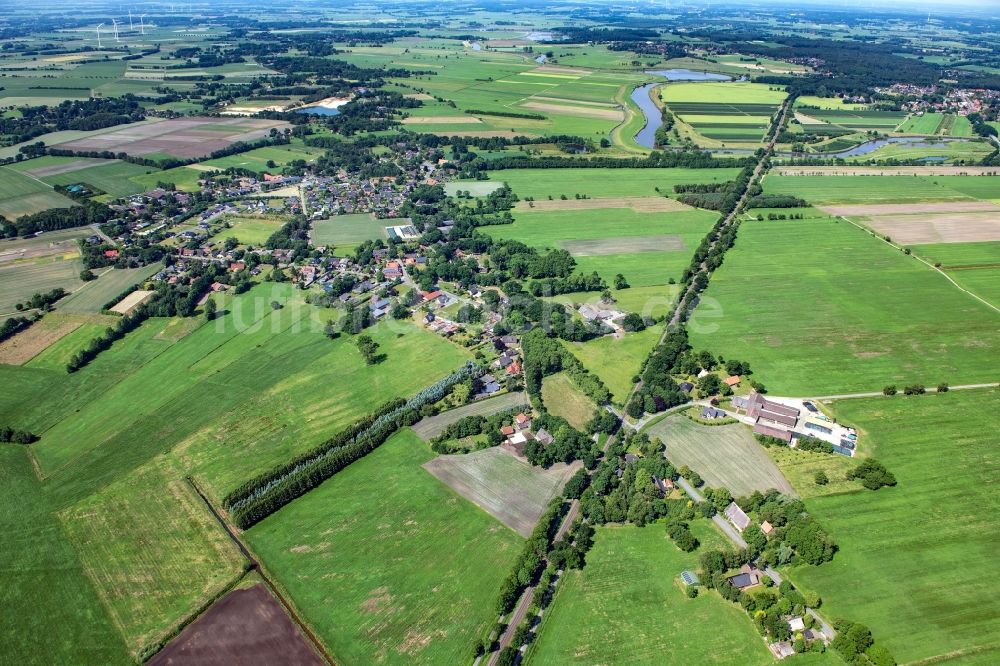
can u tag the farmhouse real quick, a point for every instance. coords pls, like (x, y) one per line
(712, 413)
(732, 381)
(735, 514)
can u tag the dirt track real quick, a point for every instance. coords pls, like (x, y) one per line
(245, 627)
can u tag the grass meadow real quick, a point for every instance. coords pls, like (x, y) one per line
(115, 178)
(605, 183)
(883, 189)
(93, 295)
(850, 315)
(562, 398)
(724, 455)
(370, 559)
(251, 230)
(616, 361)
(625, 606)
(19, 281)
(921, 555)
(677, 232)
(345, 232)
(21, 195)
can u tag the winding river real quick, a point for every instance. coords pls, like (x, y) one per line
(646, 136)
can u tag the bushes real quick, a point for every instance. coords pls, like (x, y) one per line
(13, 326)
(681, 535)
(814, 444)
(11, 436)
(873, 475)
(102, 342)
(263, 495)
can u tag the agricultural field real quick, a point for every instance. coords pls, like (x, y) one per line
(184, 178)
(616, 360)
(562, 398)
(152, 550)
(892, 571)
(432, 426)
(345, 232)
(800, 468)
(732, 111)
(926, 124)
(647, 248)
(182, 137)
(111, 176)
(542, 184)
(256, 160)
(20, 280)
(20, 194)
(724, 455)
(511, 490)
(38, 343)
(854, 313)
(370, 560)
(90, 297)
(625, 607)
(841, 190)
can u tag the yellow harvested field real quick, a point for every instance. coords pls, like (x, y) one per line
(808, 120)
(498, 132)
(638, 204)
(565, 77)
(874, 210)
(424, 97)
(441, 120)
(561, 100)
(581, 111)
(940, 170)
(943, 228)
(132, 301)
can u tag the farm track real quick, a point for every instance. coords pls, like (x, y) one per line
(255, 565)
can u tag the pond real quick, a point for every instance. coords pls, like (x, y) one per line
(654, 118)
(319, 111)
(871, 146)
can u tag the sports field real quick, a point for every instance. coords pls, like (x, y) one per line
(345, 232)
(724, 455)
(625, 607)
(562, 398)
(851, 314)
(513, 491)
(921, 554)
(370, 560)
(617, 360)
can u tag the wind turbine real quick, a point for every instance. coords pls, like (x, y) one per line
(115, 24)
(142, 28)
(99, 35)
(130, 26)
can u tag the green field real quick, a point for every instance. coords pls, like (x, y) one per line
(152, 550)
(185, 178)
(922, 554)
(21, 194)
(562, 398)
(114, 178)
(370, 558)
(616, 361)
(344, 232)
(724, 455)
(21, 280)
(605, 183)
(975, 266)
(256, 160)
(850, 315)
(432, 426)
(251, 230)
(677, 232)
(925, 124)
(883, 189)
(625, 607)
(94, 295)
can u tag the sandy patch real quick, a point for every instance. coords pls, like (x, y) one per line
(424, 97)
(638, 204)
(581, 111)
(598, 247)
(441, 120)
(808, 120)
(947, 228)
(872, 210)
(28, 344)
(132, 301)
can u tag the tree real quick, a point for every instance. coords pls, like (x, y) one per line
(87, 275)
(210, 309)
(369, 349)
(633, 323)
(621, 282)
(889, 390)
(942, 388)
(275, 305)
(330, 330)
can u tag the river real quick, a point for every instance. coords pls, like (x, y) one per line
(654, 118)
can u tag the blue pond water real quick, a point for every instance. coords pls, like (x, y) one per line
(319, 111)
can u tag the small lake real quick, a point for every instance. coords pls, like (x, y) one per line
(871, 146)
(654, 118)
(318, 111)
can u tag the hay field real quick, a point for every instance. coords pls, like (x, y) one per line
(562, 398)
(94, 295)
(513, 491)
(922, 229)
(724, 455)
(21, 194)
(19, 281)
(370, 560)
(344, 232)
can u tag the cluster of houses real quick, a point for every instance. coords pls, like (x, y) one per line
(931, 99)
(519, 434)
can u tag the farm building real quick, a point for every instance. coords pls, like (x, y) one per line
(712, 413)
(735, 514)
(766, 528)
(743, 580)
(687, 387)
(768, 431)
(732, 381)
